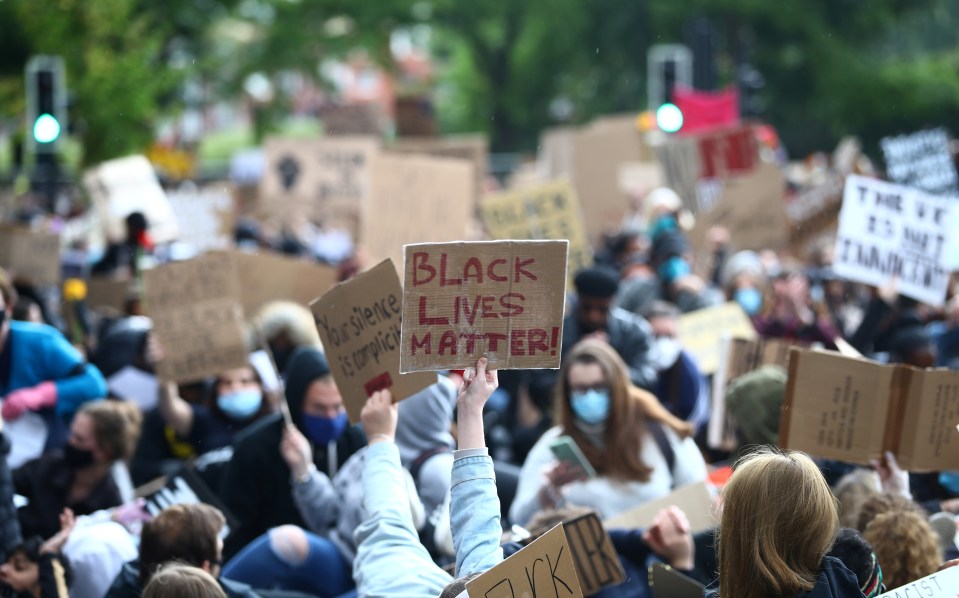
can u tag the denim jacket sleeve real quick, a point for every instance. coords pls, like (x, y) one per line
(475, 515)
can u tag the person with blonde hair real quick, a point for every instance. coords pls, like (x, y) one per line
(616, 426)
(779, 521)
(183, 581)
(906, 546)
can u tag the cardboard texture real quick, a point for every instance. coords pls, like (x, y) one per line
(701, 332)
(354, 119)
(639, 178)
(501, 299)
(923, 161)
(33, 256)
(738, 357)
(751, 208)
(474, 148)
(265, 277)
(197, 317)
(544, 569)
(595, 558)
(547, 211)
(694, 499)
(417, 199)
(126, 185)
(316, 178)
(887, 231)
(942, 584)
(555, 156)
(359, 323)
(205, 218)
(853, 410)
(108, 292)
(665, 582)
(680, 161)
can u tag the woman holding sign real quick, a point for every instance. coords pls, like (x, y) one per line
(629, 459)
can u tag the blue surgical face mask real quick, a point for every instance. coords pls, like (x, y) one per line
(591, 406)
(950, 481)
(240, 405)
(750, 299)
(673, 269)
(323, 430)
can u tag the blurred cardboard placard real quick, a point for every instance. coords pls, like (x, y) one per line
(108, 292)
(123, 186)
(694, 500)
(544, 568)
(417, 199)
(682, 168)
(888, 231)
(474, 148)
(701, 333)
(546, 211)
(737, 357)
(922, 160)
(597, 564)
(813, 214)
(266, 277)
(359, 322)
(205, 218)
(31, 255)
(853, 410)
(354, 119)
(499, 299)
(197, 317)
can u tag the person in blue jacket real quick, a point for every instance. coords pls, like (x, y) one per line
(41, 372)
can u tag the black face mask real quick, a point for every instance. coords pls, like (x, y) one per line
(3, 316)
(77, 458)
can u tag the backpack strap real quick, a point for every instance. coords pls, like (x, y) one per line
(662, 441)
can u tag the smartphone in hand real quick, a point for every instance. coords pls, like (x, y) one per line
(565, 450)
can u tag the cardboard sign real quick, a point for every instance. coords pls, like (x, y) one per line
(205, 218)
(417, 199)
(941, 584)
(853, 410)
(544, 569)
(266, 277)
(183, 488)
(665, 582)
(359, 323)
(728, 153)
(501, 299)
(546, 211)
(682, 167)
(126, 185)
(597, 565)
(751, 208)
(738, 357)
(33, 256)
(354, 119)
(108, 292)
(316, 177)
(813, 213)
(474, 148)
(701, 332)
(197, 317)
(888, 231)
(923, 161)
(693, 499)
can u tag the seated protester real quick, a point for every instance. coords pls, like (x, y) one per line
(238, 401)
(781, 503)
(257, 485)
(906, 546)
(791, 314)
(43, 379)
(188, 534)
(612, 422)
(37, 569)
(175, 581)
(682, 388)
(78, 477)
(390, 560)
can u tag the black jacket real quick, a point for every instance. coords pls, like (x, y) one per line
(127, 585)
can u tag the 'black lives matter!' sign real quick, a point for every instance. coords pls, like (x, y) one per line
(888, 231)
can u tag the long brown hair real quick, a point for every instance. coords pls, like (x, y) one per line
(620, 458)
(779, 520)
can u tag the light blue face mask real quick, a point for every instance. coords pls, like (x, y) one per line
(591, 406)
(950, 481)
(750, 299)
(673, 269)
(240, 405)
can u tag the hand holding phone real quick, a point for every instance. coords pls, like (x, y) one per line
(573, 463)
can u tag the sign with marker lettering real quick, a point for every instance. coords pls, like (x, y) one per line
(359, 322)
(887, 231)
(501, 299)
(922, 160)
(543, 569)
(546, 211)
(941, 584)
(597, 565)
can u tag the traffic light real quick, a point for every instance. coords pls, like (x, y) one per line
(46, 103)
(668, 65)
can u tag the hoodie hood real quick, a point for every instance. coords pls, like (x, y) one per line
(306, 365)
(424, 420)
(835, 581)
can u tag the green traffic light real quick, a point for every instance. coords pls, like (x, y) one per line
(669, 118)
(46, 129)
